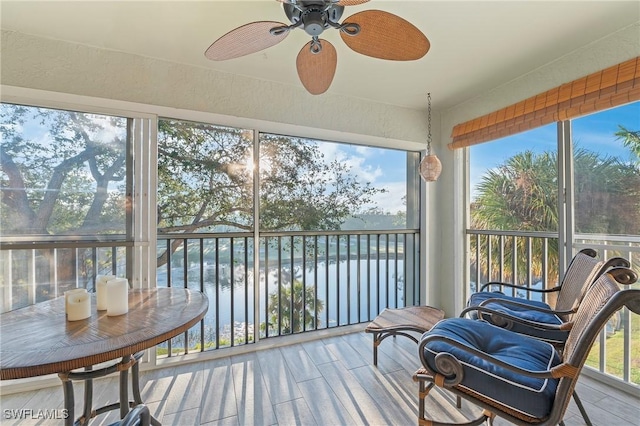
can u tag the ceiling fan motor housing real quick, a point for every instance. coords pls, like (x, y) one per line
(315, 15)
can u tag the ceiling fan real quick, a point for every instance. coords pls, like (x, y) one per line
(372, 33)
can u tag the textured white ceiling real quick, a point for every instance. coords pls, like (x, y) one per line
(475, 45)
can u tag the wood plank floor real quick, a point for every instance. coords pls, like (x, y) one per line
(324, 382)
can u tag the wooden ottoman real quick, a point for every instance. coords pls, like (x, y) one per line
(401, 321)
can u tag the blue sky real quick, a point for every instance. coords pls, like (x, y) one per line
(383, 168)
(594, 132)
(386, 168)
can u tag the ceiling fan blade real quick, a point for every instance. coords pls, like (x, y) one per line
(249, 38)
(316, 70)
(339, 3)
(384, 35)
(351, 2)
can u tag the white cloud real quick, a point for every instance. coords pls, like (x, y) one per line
(356, 163)
(363, 150)
(107, 132)
(329, 150)
(363, 171)
(390, 201)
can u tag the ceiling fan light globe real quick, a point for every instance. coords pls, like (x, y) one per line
(314, 23)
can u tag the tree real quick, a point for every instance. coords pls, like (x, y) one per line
(61, 183)
(294, 314)
(630, 139)
(521, 195)
(525, 186)
(70, 178)
(607, 195)
(205, 182)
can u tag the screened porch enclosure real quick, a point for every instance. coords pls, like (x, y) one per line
(285, 235)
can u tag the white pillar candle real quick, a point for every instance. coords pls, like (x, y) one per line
(101, 291)
(117, 297)
(78, 306)
(67, 294)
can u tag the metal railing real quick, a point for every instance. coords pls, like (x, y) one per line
(32, 272)
(613, 353)
(528, 259)
(532, 259)
(304, 281)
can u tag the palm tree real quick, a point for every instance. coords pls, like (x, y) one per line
(522, 195)
(630, 139)
(291, 314)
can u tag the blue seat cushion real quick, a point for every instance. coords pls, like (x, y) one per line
(531, 396)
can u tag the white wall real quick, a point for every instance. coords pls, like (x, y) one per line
(53, 65)
(449, 215)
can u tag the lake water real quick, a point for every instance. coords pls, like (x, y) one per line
(344, 301)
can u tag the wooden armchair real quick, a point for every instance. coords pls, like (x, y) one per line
(536, 318)
(522, 379)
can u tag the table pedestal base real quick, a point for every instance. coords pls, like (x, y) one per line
(128, 361)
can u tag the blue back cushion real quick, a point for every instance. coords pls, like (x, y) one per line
(521, 312)
(477, 298)
(557, 336)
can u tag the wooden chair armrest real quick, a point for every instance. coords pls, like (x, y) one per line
(503, 318)
(527, 306)
(520, 287)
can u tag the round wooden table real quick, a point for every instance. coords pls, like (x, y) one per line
(38, 340)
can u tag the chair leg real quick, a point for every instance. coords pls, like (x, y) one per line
(581, 408)
(376, 342)
(423, 390)
(420, 401)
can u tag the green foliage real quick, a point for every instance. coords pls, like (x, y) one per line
(62, 179)
(607, 195)
(615, 350)
(630, 139)
(297, 313)
(205, 182)
(522, 195)
(70, 177)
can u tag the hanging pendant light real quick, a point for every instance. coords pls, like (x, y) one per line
(430, 166)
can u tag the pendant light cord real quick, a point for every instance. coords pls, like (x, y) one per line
(429, 123)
